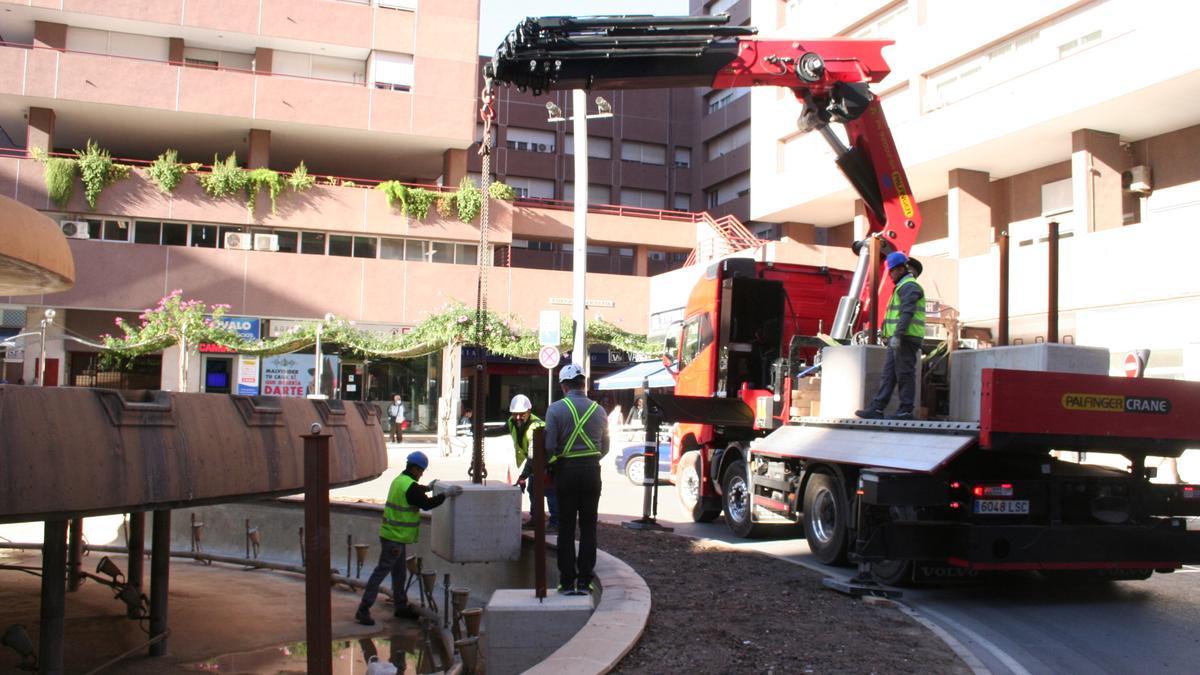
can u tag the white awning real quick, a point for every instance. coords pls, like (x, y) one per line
(636, 376)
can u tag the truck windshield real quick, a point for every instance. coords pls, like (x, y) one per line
(697, 334)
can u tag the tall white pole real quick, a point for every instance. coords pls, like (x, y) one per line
(579, 354)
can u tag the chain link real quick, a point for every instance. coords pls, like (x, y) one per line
(487, 112)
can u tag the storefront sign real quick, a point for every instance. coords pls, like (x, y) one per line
(588, 303)
(292, 375)
(247, 375)
(278, 327)
(246, 328)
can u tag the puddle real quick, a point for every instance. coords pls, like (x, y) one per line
(409, 648)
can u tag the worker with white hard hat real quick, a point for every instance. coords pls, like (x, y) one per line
(576, 439)
(521, 425)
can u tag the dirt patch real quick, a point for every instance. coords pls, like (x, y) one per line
(717, 610)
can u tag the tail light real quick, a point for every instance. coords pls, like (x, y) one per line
(1191, 492)
(998, 490)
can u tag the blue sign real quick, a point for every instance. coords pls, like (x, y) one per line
(246, 327)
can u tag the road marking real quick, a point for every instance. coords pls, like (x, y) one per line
(1001, 656)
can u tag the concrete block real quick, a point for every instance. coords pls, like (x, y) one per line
(523, 631)
(966, 369)
(850, 379)
(483, 524)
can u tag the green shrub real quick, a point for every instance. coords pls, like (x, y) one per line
(501, 191)
(446, 203)
(468, 199)
(226, 178)
(98, 171)
(166, 172)
(60, 179)
(300, 181)
(419, 201)
(396, 193)
(257, 179)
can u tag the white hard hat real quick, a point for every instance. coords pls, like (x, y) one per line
(519, 404)
(570, 372)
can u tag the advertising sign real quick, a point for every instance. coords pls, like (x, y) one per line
(247, 328)
(549, 327)
(292, 375)
(247, 375)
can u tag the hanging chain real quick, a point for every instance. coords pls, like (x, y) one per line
(487, 113)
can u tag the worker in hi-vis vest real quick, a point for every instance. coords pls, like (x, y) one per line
(904, 331)
(521, 425)
(400, 527)
(576, 439)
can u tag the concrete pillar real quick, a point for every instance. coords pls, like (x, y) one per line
(264, 60)
(260, 149)
(801, 233)
(861, 224)
(39, 133)
(1096, 162)
(51, 35)
(969, 213)
(454, 166)
(641, 260)
(175, 50)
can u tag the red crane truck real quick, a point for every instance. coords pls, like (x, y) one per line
(957, 495)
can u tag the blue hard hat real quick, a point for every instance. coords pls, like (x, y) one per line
(418, 458)
(896, 259)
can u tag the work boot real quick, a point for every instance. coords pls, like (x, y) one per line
(869, 414)
(901, 415)
(579, 588)
(363, 616)
(406, 612)
(566, 589)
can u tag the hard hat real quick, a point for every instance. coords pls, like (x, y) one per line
(418, 458)
(519, 404)
(896, 259)
(570, 372)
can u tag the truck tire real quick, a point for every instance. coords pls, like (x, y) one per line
(738, 507)
(826, 515)
(687, 489)
(893, 572)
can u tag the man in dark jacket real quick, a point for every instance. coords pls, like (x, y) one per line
(904, 331)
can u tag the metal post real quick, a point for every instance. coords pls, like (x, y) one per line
(160, 578)
(74, 554)
(478, 471)
(873, 282)
(579, 355)
(318, 612)
(649, 472)
(537, 496)
(54, 598)
(1002, 329)
(317, 374)
(137, 549)
(47, 319)
(1052, 302)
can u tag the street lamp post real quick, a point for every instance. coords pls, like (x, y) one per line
(47, 319)
(318, 370)
(579, 355)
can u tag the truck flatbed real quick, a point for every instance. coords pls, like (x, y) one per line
(913, 445)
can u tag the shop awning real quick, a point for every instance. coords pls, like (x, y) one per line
(635, 376)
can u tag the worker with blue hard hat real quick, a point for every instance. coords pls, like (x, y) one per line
(904, 332)
(400, 527)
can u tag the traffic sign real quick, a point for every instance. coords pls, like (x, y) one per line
(1133, 365)
(549, 328)
(548, 356)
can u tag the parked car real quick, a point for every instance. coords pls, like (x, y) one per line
(630, 460)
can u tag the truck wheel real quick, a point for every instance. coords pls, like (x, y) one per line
(687, 489)
(737, 501)
(893, 572)
(825, 517)
(635, 470)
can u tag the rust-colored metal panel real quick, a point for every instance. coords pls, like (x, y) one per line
(67, 450)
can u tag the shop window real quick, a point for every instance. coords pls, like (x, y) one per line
(312, 243)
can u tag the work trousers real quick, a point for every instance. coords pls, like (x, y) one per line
(397, 430)
(899, 368)
(577, 483)
(391, 561)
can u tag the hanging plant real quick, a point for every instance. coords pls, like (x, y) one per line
(98, 171)
(225, 179)
(502, 191)
(300, 181)
(166, 172)
(468, 199)
(396, 193)
(446, 204)
(419, 201)
(256, 180)
(60, 179)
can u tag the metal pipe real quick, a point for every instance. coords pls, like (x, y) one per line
(1002, 328)
(318, 613)
(137, 549)
(579, 354)
(74, 554)
(54, 598)
(537, 498)
(1052, 301)
(160, 578)
(847, 310)
(126, 654)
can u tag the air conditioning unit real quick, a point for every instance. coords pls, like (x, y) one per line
(1139, 179)
(266, 242)
(237, 240)
(74, 229)
(541, 147)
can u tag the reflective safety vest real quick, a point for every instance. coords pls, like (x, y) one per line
(523, 443)
(916, 327)
(401, 520)
(568, 450)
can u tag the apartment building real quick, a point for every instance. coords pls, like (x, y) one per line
(361, 91)
(1009, 115)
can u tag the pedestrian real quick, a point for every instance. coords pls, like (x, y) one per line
(637, 414)
(400, 527)
(396, 415)
(904, 331)
(576, 439)
(521, 425)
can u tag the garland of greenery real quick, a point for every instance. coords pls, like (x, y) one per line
(468, 199)
(256, 179)
(166, 172)
(98, 171)
(60, 179)
(300, 181)
(225, 179)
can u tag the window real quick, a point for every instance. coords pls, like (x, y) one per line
(644, 153)
(683, 157)
(646, 199)
(199, 63)
(441, 252)
(341, 245)
(415, 250)
(392, 71)
(397, 4)
(710, 198)
(466, 254)
(726, 191)
(727, 142)
(312, 243)
(1074, 45)
(365, 247)
(212, 58)
(174, 234)
(720, 7)
(535, 188)
(682, 202)
(117, 44)
(697, 334)
(392, 249)
(887, 25)
(600, 148)
(529, 140)
(597, 194)
(147, 233)
(288, 241)
(204, 236)
(324, 67)
(715, 100)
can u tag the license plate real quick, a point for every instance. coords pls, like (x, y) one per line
(1002, 506)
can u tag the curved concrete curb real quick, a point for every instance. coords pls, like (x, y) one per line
(615, 627)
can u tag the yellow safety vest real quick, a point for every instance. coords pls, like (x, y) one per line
(589, 450)
(523, 444)
(916, 327)
(401, 520)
